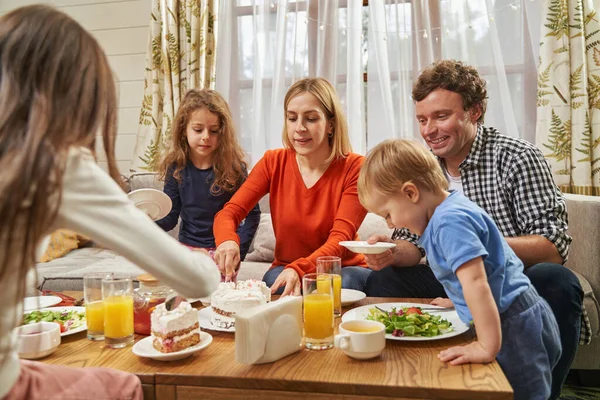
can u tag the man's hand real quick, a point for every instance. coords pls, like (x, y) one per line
(288, 277)
(379, 261)
(227, 258)
(474, 352)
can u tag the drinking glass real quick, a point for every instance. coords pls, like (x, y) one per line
(117, 295)
(317, 292)
(333, 265)
(94, 306)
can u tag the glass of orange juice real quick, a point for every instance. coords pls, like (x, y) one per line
(94, 307)
(333, 265)
(317, 292)
(117, 296)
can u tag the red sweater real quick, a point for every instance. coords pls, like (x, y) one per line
(308, 223)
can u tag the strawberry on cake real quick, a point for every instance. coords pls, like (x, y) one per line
(230, 298)
(174, 330)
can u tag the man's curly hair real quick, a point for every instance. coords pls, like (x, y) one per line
(456, 77)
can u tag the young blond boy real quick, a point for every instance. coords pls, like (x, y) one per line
(402, 181)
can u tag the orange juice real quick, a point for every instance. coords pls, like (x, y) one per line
(323, 287)
(318, 316)
(94, 316)
(118, 316)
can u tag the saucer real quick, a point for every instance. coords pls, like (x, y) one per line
(361, 246)
(151, 201)
(144, 348)
(351, 296)
(35, 303)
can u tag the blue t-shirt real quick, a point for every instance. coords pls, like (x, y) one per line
(197, 207)
(460, 231)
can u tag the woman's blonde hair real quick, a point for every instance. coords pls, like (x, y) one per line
(229, 166)
(56, 92)
(325, 93)
(394, 162)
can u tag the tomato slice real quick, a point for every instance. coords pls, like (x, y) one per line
(413, 310)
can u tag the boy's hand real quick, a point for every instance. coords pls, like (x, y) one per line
(442, 302)
(474, 352)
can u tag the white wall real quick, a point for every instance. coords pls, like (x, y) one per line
(121, 28)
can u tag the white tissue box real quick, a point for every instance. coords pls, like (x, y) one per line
(269, 332)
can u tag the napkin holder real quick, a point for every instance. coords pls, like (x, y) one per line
(269, 332)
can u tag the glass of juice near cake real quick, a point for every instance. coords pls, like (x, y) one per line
(333, 265)
(317, 292)
(117, 295)
(94, 307)
(150, 294)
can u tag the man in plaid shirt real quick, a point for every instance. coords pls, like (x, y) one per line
(507, 177)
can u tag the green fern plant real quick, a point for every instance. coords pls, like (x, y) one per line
(559, 140)
(543, 86)
(558, 19)
(151, 157)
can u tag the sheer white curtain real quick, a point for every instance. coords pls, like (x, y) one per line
(372, 54)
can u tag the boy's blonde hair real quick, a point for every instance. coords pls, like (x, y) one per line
(325, 93)
(229, 165)
(394, 162)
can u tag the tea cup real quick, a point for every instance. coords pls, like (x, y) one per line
(361, 339)
(38, 340)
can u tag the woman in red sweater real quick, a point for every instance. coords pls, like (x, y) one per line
(313, 196)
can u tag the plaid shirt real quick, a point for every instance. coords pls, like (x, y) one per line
(510, 179)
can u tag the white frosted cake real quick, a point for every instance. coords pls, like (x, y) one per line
(230, 298)
(174, 330)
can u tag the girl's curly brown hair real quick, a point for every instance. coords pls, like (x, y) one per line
(456, 77)
(229, 166)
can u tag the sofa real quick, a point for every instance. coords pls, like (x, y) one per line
(584, 215)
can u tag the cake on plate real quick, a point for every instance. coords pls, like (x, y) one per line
(174, 330)
(231, 298)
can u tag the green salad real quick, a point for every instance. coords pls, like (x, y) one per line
(410, 321)
(66, 319)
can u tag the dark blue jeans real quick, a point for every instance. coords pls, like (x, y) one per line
(555, 283)
(561, 289)
(352, 277)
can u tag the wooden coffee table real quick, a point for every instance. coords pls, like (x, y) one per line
(404, 370)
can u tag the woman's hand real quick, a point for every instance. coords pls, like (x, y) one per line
(290, 278)
(442, 302)
(227, 258)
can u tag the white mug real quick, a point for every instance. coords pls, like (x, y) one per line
(361, 339)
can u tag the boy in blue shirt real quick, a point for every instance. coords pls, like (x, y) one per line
(402, 181)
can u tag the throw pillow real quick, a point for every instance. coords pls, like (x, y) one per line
(62, 242)
(262, 248)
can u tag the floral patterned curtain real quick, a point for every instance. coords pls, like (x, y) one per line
(180, 56)
(568, 98)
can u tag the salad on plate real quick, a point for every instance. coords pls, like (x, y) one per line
(410, 321)
(68, 320)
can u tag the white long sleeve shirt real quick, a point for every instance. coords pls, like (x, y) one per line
(95, 206)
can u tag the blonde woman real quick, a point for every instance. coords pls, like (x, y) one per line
(56, 94)
(312, 187)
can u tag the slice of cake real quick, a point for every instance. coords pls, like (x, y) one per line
(174, 330)
(230, 298)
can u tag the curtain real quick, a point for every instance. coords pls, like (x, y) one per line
(568, 96)
(372, 54)
(180, 56)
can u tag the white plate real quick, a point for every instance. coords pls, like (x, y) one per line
(144, 348)
(351, 296)
(204, 318)
(361, 246)
(67, 309)
(35, 303)
(360, 313)
(151, 201)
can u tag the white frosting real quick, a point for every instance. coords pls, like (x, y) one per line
(183, 317)
(232, 298)
(179, 338)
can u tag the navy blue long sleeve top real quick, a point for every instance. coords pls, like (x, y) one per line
(197, 207)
